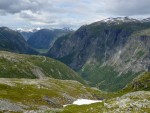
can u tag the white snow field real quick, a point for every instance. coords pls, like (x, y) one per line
(83, 102)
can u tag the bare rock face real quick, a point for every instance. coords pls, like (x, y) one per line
(44, 38)
(134, 56)
(118, 49)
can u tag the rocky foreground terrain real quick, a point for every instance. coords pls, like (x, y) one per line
(48, 95)
(135, 102)
(23, 95)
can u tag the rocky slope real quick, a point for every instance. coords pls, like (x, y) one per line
(108, 53)
(39, 95)
(14, 65)
(13, 41)
(134, 98)
(135, 102)
(142, 82)
(49, 95)
(44, 38)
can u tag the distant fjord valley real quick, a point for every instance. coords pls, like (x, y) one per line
(102, 67)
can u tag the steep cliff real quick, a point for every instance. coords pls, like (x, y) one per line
(108, 53)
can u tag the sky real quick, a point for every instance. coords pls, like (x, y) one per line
(67, 13)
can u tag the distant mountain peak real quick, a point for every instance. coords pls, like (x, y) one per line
(14, 42)
(146, 20)
(5, 28)
(119, 19)
(28, 29)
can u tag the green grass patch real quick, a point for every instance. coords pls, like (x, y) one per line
(42, 50)
(106, 78)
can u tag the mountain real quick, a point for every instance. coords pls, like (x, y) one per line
(118, 20)
(112, 55)
(14, 65)
(26, 33)
(109, 53)
(13, 41)
(44, 38)
(28, 29)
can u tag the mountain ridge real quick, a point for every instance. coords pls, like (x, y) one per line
(98, 51)
(13, 41)
(44, 38)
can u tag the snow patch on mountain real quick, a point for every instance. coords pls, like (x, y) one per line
(119, 19)
(28, 29)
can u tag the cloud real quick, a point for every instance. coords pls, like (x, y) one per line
(71, 13)
(16, 6)
(125, 7)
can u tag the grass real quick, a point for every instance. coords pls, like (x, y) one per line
(28, 66)
(114, 106)
(13, 69)
(142, 82)
(42, 50)
(93, 108)
(32, 92)
(106, 78)
(145, 32)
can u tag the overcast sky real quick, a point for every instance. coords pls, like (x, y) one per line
(67, 13)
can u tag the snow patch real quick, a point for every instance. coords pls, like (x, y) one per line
(28, 29)
(119, 19)
(83, 102)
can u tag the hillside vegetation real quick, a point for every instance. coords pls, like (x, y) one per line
(14, 65)
(24, 95)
